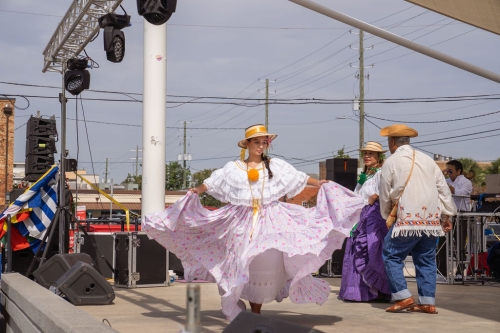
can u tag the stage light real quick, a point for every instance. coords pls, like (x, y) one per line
(114, 38)
(76, 79)
(156, 12)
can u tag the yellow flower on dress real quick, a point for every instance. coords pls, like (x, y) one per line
(253, 175)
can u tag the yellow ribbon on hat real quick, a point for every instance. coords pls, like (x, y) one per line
(248, 133)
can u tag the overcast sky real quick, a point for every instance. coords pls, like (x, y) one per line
(222, 48)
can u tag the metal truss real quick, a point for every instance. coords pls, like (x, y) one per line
(77, 28)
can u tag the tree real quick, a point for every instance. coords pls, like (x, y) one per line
(133, 180)
(472, 170)
(341, 153)
(494, 168)
(206, 199)
(174, 174)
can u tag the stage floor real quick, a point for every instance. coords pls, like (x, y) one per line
(469, 308)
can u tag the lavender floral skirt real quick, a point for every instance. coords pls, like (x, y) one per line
(225, 247)
(363, 271)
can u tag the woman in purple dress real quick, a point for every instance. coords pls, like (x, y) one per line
(363, 273)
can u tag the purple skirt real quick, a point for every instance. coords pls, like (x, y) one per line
(363, 273)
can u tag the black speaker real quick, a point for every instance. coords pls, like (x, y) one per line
(104, 242)
(21, 260)
(343, 171)
(248, 322)
(83, 285)
(57, 266)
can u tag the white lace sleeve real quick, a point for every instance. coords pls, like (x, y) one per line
(230, 184)
(286, 180)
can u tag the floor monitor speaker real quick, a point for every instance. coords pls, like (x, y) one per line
(82, 284)
(56, 266)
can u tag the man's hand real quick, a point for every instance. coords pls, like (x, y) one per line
(452, 189)
(446, 224)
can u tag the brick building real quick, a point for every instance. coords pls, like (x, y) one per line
(306, 198)
(4, 188)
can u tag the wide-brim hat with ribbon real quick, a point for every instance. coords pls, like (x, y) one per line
(253, 132)
(398, 130)
(373, 146)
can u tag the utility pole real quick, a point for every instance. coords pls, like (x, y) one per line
(106, 172)
(361, 98)
(266, 120)
(184, 159)
(360, 105)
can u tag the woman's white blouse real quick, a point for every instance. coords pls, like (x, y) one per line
(231, 184)
(369, 188)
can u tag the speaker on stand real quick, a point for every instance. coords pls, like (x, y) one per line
(343, 171)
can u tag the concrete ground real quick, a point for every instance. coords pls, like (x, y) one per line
(462, 308)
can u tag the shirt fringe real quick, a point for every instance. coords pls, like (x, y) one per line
(408, 231)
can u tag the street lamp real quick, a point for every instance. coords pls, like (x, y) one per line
(7, 111)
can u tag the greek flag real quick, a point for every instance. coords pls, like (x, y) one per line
(41, 199)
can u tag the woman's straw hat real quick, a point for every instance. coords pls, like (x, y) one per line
(398, 130)
(253, 132)
(373, 146)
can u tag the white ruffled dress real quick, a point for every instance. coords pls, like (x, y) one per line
(263, 259)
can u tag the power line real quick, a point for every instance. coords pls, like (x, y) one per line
(435, 121)
(459, 136)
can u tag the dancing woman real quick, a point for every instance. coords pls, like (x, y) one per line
(363, 272)
(257, 248)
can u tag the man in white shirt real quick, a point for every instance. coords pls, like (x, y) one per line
(413, 183)
(459, 185)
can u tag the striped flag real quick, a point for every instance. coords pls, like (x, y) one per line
(40, 200)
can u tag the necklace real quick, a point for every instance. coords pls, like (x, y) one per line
(256, 203)
(363, 177)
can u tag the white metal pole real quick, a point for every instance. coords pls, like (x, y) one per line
(154, 118)
(398, 40)
(111, 202)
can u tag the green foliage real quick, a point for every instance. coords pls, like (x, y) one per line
(174, 173)
(200, 176)
(472, 170)
(206, 199)
(494, 168)
(133, 180)
(341, 153)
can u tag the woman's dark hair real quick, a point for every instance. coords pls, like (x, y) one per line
(266, 163)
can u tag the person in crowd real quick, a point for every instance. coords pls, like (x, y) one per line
(257, 248)
(363, 271)
(461, 189)
(460, 186)
(417, 203)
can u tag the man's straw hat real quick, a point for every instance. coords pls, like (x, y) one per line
(253, 132)
(398, 130)
(373, 146)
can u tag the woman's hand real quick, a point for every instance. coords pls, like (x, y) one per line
(372, 199)
(194, 190)
(198, 190)
(321, 182)
(315, 182)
